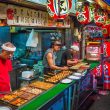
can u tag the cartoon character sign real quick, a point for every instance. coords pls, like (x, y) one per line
(59, 9)
(83, 14)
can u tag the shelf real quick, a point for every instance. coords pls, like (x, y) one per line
(26, 4)
(41, 27)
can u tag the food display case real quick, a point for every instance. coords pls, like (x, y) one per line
(93, 51)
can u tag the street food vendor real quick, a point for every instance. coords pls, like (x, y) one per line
(50, 56)
(5, 67)
(68, 57)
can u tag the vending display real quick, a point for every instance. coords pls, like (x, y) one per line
(93, 51)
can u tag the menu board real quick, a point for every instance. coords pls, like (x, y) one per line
(24, 16)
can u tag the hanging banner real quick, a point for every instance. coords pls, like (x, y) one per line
(59, 9)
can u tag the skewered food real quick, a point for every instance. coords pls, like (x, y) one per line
(78, 65)
(18, 102)
(42, 85)
(35, 91)
(8, 97)
(59, 76)
(32, 90)
(27, 96)
(18, 92)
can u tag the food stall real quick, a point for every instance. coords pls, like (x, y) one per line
(66, 90)
(62, 90)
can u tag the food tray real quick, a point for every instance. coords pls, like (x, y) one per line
(42, 85)
(8, 97)
(20, 97)
(77, 66)
(18, 92)
(58, 77)
(18, 101)
(32, 90)
(28, 96)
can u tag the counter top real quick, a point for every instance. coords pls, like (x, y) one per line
(48, 95)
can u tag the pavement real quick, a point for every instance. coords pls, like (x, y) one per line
(97, 102)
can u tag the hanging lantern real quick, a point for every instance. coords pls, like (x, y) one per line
(83, 15)
(100, 17)
(59, 9)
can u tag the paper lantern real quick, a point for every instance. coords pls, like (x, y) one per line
(83, 15)
(59, 9)
(100, 17)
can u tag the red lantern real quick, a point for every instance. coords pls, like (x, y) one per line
(100, 17)
(83, 15)
(59, 9)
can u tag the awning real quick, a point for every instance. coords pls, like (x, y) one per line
(105, 4)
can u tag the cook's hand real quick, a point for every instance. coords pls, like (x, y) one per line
(75, 61)
(65, 68)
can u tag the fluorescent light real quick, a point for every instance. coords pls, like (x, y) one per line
(91, 1)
